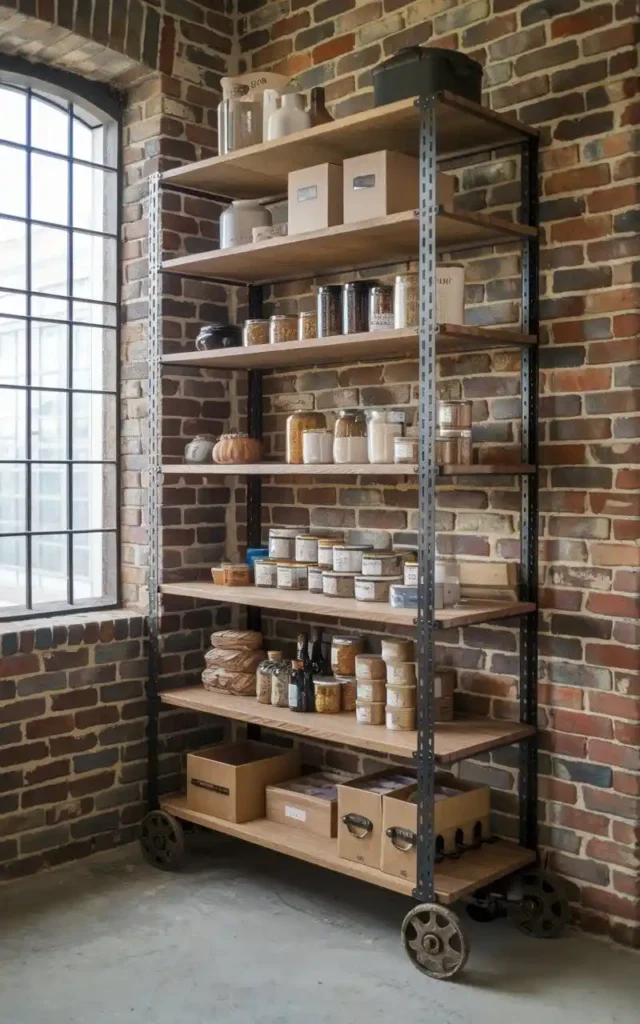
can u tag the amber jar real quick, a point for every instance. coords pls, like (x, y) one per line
(297, 423)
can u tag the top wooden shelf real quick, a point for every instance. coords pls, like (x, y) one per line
(262, 170)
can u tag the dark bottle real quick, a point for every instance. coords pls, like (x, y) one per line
(318, 658)
(297, 700)
(317, 110)
(303, 649)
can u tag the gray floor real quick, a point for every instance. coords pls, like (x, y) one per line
(243, 936)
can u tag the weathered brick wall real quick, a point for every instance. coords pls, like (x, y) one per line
(570, 68)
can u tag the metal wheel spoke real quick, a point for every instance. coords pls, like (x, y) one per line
(434, 940)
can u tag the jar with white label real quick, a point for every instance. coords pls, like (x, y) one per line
(401, 673)
(325, 552)
(350, 438)
(374, 588)
(370, 691)
(282, 543)
(401, 696)
(370, 712)
(381, 307)
(348, 557)
(338, 584)
(400, 719)
(411, 574)
(381, 563)
(292, 575)
(396, 650)
(381, 432)
(265, 572)
(307, 547)
(314, 579)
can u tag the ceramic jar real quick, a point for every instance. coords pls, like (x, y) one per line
(200, 448)
(381, 434)
(238, 221)
(290, 116)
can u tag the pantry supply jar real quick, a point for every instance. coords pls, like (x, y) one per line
(381, 431)
(314, 579)
(381, 307)
(396, 650)
(199, 449)
(306, 549)
(348, 557)
(328, 310)
(280, 679)
(454, 415)
(238, 220)
(374, 588)
(325, 552)
(282, 543)
(348, 693)
(317, 447)
(265, 572)
(307, 325)
(236, 575)
(350, 438)
(400, 719)
(406, 301)
(411, 573)
(370, 712)
(263, 676)
(370, 667)
(292, 575)
(402, 673)
(406, 450)
(447, 449)
(355, 307)
(255, 332)
(337, 584)
(381, 563)
(282, 328)
(371, 692)
(327, 695)
(401, 696)
(297, 423)
(343, 654)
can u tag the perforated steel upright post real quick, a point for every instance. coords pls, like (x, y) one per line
(254, 427)
(424, 890)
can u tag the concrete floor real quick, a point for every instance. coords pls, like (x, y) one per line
(243, 936)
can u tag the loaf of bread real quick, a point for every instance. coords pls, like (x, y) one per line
(233, 660)
(233, 682)
(237, 639)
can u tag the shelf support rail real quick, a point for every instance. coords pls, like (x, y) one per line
(427, 474)
(254, 428)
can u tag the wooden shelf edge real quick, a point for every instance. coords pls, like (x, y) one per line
(331, 469)
(453, 879)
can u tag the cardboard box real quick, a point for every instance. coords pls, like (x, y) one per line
(378, 184)
(315, 198)
(360, 813)
(461, 814)
(229, 781)
(309, 803)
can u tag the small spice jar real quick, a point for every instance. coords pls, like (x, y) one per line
(282, 328)
(265, 572)
(282, 543)
(306, 548)
(343, 654)
(396, 650)
(348, 693)
(400, 719)
(405, 301)
(370, 667)
(381, 563)
(255, 332)
(381, 307)
(454, 415)
(338, 584)
(292, 575)
(314, 579)
(328, 310)
(374, 588)
(401, 673)
(400, 696)
(327, 695)
(297, 423)
(405, 449)
(373, 691)
(307, 325)
(350, 438)
(348, 557)
(370, 712)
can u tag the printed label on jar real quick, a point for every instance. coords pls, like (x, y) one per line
(411, 574)
(293, 695)
(306, 549)
(292, 577)
(365, 590)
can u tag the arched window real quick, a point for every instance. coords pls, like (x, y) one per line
(59, 283)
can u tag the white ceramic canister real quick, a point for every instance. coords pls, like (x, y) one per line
(370, 667)
(372, 691)
(348, 557)
(282, 543)
(370, 712)
(292, 575)
(411, 574)
(317, 447)
(400, 719)
(338, 584)
(350, 451)
(200, 448)
(381, 563)
(314, 579)
(306, 549)
(325, 552)
(396, 650)
(265, 572)
(401, 673)
(381, 432)
(374, 588)
(401, 696)
(290, 116)
(239, 219)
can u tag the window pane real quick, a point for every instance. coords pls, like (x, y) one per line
(13, 123)
(49, 189)
(94, 199)
(94, 426)
(49, 497)
(94, 497)
(49, 125)
(13, 352)
(94, 267)
(94, 313)
(83, 141)
(49, 349)
(13, 575)
(13, 167)
(94, 358)
(49, 308)
(13, 423)
(94, 567)
(13, 489)
(49, 569)
(49, 272)
(13, 255)
(48, 425)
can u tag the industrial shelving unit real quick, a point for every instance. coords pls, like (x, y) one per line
(431, 127)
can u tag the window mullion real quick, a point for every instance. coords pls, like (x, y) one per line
(28, 362)
(70, 365)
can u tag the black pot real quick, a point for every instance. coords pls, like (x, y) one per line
(218, 336)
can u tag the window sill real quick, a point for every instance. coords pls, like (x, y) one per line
(95, 615)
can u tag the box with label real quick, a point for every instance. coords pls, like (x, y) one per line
(360, 813)
(382, 183)
(315, 198)
(309, 803)
(229, 781)
(461, 816)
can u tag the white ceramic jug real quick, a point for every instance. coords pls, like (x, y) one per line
(290, 117)
(239, 219)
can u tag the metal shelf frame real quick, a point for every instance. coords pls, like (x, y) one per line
(428, 477)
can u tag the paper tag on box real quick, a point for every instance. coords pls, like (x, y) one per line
(295, 812)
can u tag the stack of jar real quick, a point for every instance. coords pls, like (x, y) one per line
(453, 438)
(370, 673)
(446, 585)
(401, 685)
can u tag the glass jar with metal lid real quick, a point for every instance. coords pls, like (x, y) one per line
(255, 332)
(405, 301)
(282, 328)
(297, 423)
(307, 325)
(328, 310)
(350, 437)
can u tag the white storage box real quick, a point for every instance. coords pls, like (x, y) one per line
(315, 198)
(382, 183)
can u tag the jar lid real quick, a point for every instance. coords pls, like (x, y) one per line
(346, 639)
(307, 312)
(282, 316)
(329, 572)
(326, 542)
(258, 320)
(316, 430)
(367, 657)
(282, 533)
(266, 561)
(345, 679)
(378, 579)
(370, 704)
(354, 547)
(325, 681)
(274, 655)
(380, 554)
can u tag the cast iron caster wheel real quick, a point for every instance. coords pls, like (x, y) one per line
(433, 938)
(162, 840)
(542, 909)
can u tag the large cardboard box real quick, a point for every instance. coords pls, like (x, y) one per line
(360, 813)
(461, 814)
(309, 803)
(386, 182)
(229, 781)
(315, 198)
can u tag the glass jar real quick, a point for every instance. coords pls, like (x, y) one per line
(282, 328)
(343, 654)
(317, 447)
(297, 423)
(327, 695)
(350, 438)
(355, 307)
(406, 301)
(307, 325)
(280, 679)
(255, 332)
(405, 449)
(263, 676)
(381, 433)
(381, 307)
(328, 302)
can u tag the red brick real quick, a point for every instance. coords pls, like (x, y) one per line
(616, 198)
(584, 821)
(628, 479)
(21, 710)
(54, 725)
(612, 853)
(22, 754)
(589, 379)
(582, 178)
(613, 300)
(581, 723)
(87, 784)
(611, 39)
(19, 665)
(72, 699)
(289, 26)
(583, 228)
(46, 772)
(612, 655)
(625, 732)
(614, 605)
(53, 794)
(584, 21)
(615, 704)
(623, 782)
(609, 903)
(614, 754)
(333, 48)
(627, 834)
(615, 554)
(96, 716)
(627, 884)
(611, 803)
(558, 790)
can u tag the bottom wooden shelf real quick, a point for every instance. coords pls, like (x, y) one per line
(454, 879)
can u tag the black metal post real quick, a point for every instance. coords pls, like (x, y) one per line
(427, 473)
(528, 776)
(254, 426)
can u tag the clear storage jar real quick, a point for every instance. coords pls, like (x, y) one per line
(381, 307)
(255, 332)
(297, 423)
(381, 433)
(350, 438)
(328, 310)
(282, 328)
(307, 325)
(280, 679)
(263, 676)
(406, 301)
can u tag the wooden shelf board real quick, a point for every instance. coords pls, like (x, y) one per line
(386, 240)
(351, 348)
(262, 170)
(304, 603)
(351, 470)
(453, 879)
(454, 741)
